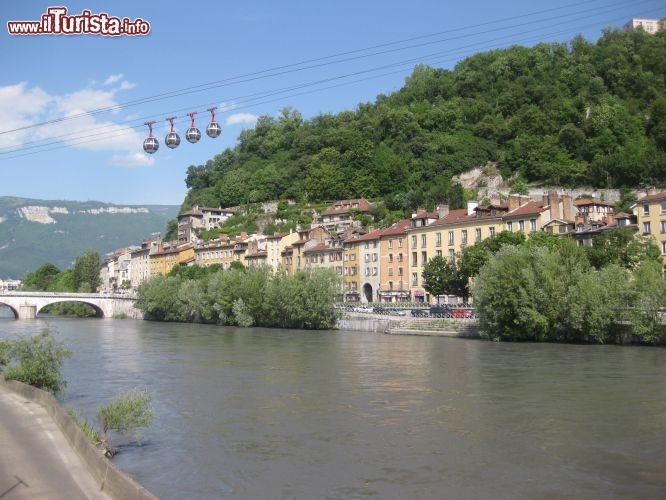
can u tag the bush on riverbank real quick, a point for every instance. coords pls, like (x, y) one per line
(36, 361)
(555, 294)
(253, 296)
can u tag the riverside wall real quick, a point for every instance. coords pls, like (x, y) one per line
(115, 483)
(409, 326)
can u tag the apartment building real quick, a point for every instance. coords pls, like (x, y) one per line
(650, 26)
(166, 256)
(197, 219)
(447, 236)
(340, 215)
(368, 265)
(650, 212)
(393, 263)
(293, 257)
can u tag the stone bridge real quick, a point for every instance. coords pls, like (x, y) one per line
(26, 305)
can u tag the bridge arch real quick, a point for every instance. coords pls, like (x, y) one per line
(11, 308)
(99, 313)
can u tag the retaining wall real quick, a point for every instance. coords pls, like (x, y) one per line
(111, 480)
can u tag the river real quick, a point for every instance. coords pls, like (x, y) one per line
(261, 413)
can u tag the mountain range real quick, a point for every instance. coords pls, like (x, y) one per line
(33, 232)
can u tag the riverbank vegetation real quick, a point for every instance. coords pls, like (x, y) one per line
(549, 289)
(35, 360)
(252, 296)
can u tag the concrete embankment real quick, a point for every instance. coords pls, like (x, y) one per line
(111, 480)
(409, 326)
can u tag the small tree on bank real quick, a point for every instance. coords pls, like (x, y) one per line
(127, 413)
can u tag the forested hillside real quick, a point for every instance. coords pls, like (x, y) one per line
(573, 114)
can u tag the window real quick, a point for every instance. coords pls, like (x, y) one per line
(390, 258)
(663, 207)
(390, 243)
(464, 236)
(399, 257)
(663, 226)
(390, 271)
(451, 238)
(423, 240)
(438, 239)
(374, 271)
(367, 257)
(646, 209)
(399, 242)
(424, 258)
(509, 226)
(491, 231)
(477, 234)
(415, 279)
(400, 271)
(414, 259)
(452, 256)
(532, 224)
(390, 285)
(438, 253)
(663, 247)
(413, 241)
(646, 227)
(374, 257)
(521, 226)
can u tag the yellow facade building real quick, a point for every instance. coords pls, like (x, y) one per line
(650, 213)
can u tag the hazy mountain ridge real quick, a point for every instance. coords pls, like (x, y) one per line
(34, 231)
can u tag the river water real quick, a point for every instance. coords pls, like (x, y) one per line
(261, 413)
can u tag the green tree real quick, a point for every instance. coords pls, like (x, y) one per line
(442, 277)
(41, 278)
(649, 297)
(37, 361)
(86, 271)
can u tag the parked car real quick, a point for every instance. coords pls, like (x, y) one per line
(420, 313)
(462, 313)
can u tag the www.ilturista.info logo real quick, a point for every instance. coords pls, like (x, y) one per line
(57, 22)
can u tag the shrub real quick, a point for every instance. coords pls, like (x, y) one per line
(127, 413)
(37, 362)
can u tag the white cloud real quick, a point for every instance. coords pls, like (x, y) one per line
(227, 106)
(241, 118)
(125, 85)
(113, 79)
(132, 160)
(22, 106)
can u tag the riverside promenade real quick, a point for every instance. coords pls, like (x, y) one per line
(36, 461)
(44, 455)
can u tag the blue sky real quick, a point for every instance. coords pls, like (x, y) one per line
(227, 54)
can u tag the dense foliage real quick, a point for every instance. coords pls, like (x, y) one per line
(36, 361)
(253, 296)
(564, 114)
(551, 291)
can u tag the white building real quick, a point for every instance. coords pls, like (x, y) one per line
(649, 25)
